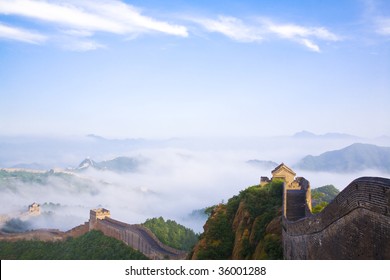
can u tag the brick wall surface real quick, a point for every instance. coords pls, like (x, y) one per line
(355, 225)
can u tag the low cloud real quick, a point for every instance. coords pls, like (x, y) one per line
(175, 179)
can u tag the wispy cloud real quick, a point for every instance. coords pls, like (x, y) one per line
(231, 27)
(238, 30)
(89, 17)
(300, 34)
(82, 45)
(374, 15)
(19, 34)
(383, 26)
(78, 20)
(309, 44)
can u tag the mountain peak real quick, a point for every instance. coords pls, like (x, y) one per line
(86, 163)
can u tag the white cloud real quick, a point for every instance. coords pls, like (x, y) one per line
(301, 34)
(78, 19)
(296, 31)
(131, 19)
(83, 46)
(375, 17)
(84, 18)
(78, 33)
(23, 35)
(231, 27)
(383, 26)
(262, 29)
(307, 43)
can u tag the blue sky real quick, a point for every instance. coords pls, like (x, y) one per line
(160, 69)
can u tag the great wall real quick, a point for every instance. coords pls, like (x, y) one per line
(136, 236)
(355, 225)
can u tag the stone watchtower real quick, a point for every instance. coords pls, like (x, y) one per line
(281, 172)
(284, 173)
(97, 214)
(34, 209)
(296, 192)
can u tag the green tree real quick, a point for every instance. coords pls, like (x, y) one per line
(172, 234)
(90, 246)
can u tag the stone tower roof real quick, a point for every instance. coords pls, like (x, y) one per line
(283, 166)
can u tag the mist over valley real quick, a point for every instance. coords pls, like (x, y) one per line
(137, 179)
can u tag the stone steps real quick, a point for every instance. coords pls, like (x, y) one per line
(296, 200)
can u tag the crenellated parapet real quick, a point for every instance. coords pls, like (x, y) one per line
(355, 225)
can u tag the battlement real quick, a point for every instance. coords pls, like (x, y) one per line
(355, 225)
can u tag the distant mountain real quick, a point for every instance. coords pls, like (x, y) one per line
(355, 157)
(123, 141)
(34, 166)
(21, 180)
(266, 164)
(85, 164)
(119, 164)
(304, 134)
(330, 135)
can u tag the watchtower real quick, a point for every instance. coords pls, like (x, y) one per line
(34, 209)
(296, 192)
(97, 214)
(283, 172)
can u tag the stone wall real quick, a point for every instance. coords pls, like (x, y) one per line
(355, 225)
(78, 231)
(139, 238)
(136, 236)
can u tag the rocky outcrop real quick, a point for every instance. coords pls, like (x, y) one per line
(251, 225)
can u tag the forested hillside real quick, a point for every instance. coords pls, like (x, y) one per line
(248, 226)
(172, 234)
(90, 246)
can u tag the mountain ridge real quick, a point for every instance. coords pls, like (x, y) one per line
(119, 164)
(355, 157)
(328, 135)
